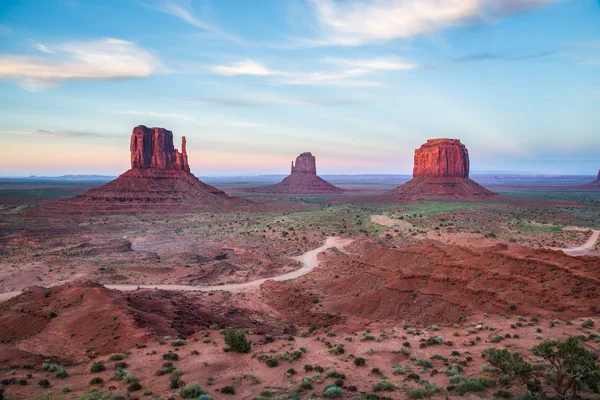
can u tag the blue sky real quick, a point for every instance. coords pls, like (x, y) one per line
(360, 83)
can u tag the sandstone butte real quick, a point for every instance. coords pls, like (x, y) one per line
(303, 179)
(159, 180)
(441, 171)
(593, 184)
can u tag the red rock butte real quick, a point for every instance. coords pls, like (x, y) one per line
(593, 184)
(303, 179)
(159, 181)
(441, 171)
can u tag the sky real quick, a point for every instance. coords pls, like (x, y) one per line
(252, 84)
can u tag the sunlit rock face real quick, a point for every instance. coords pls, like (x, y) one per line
(153, 148)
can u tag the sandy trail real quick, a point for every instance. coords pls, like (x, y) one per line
(309, 260)
(588, 248)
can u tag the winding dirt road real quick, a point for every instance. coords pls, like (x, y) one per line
(588, 248)
(309, 260)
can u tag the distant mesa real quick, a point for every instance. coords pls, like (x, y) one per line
(593, 184)
(159, 179)
(441, 171)
(303, 179)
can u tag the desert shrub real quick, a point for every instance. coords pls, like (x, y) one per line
(335, 374)
(61, 372)
(587, 324)
(400, 370)
(134, 386)
(476, 384)
(434, 340)
(332, 392)
(337, 349)
(45, 383)
(205, 396)
(424, 363)
(384, 386)
(177, 343)
(115, 357)
(415, 392)
(359, 361)
(228, 389)
(190, 391)
(121, 365)
(306, 384)
(49, 367)
(170, 356)
(290, 372)
(236, 340)
(96, 381)
(271, 362)
(308, 368)
(98, 366)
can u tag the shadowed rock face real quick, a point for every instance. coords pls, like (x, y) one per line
(441, 171)
(305, 164)
(153, 148)
(593, 184)
(442, 158)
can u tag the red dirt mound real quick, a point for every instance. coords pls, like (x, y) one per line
(435, 283)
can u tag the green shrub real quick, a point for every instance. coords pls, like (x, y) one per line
(115, 357)
(96, 381)
(476, 384)
(337, 349)
(415, 393)
(45, 383)
(49, 367)
(170, 356)
(359, 361)
(424, 363)
(134, 386)
(177, 343)
(97, 367)
(236, 340)
(271, 362)
(61, 372)
(229, 389)
(190, 391)
(384, 386)
(332, 392)
(205, 396)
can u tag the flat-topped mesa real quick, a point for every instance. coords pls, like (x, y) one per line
(153, 148)
(306, 163)
(444, 158)
(441, 171)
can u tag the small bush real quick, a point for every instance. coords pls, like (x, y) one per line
(134, 386)
(424, 363)
(271, 362)
(236, 340)
(96, 381)
(191, 391)
(45, 383)
(587, 324)
(384, 386)
(359, 361)
(97, 367)
(332, 392)
(61, 372)
(115, 357)
(177, 343)
(476, 384)
(170, 356)
(228, 389)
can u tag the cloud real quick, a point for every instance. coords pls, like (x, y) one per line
(43, 48)
(52, 133)
(356, 22)
(101, 59)
(475, 57)
(183, 10)
(383, 64)
(153, 114)
(354, 68)
(258, 100)
(247, 67)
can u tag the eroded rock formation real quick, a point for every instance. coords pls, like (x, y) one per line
(153, 148)
(303, 179)
(441, 170)
(159, 180)
(442, 158)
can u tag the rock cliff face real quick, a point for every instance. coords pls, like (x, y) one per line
(153, 148)
(306, 163)
(442, 158)
(441, 171)
(303, 179)
(159, 181)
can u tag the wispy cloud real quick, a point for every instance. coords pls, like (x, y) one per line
(43, 48)
(356, 22)
(154, 114)
(101, 59)
(505, 56)
(52, 133)
(353, 69)
(248, 67)
(258, 100)
(382, 63)
(183, 10)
